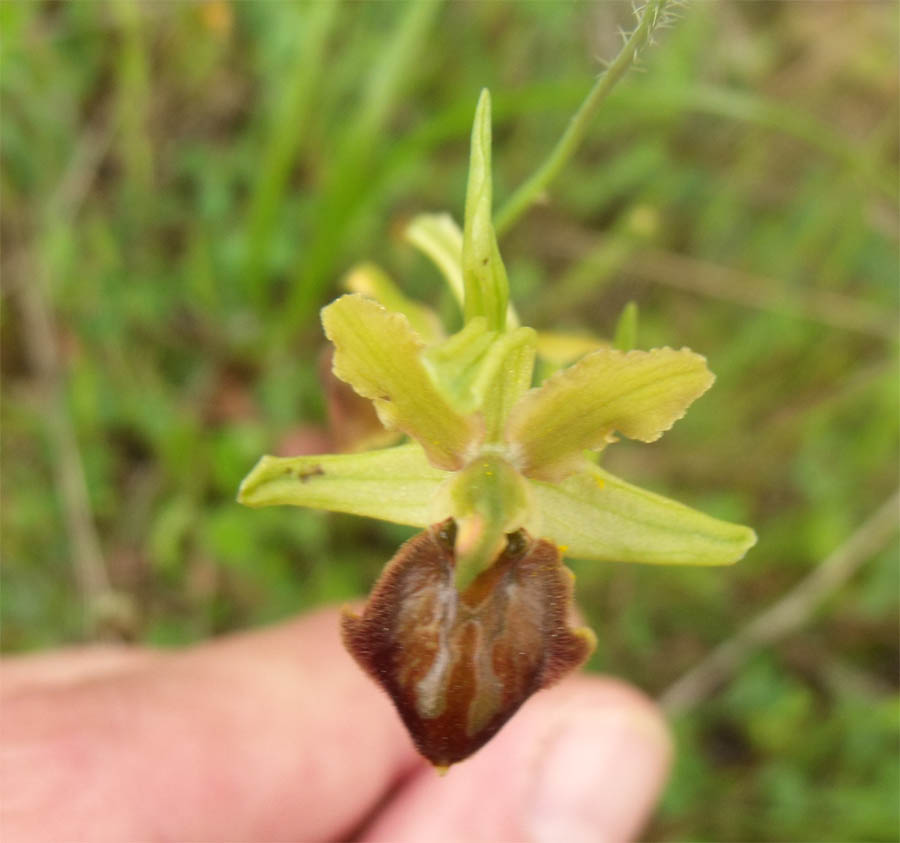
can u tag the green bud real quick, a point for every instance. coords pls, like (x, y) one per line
(484, 276)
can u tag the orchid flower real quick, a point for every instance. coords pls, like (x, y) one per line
(475, 613)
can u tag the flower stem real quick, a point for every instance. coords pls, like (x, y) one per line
(530, 191)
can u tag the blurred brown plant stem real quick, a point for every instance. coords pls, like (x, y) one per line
(107, 613)
(787, 614)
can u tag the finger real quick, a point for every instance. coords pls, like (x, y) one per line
(76, 664)
(584, 761)
(268, 736)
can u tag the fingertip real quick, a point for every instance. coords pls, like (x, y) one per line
(582, 761)
(601, 771)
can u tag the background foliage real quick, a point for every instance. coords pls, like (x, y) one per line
(183, 187)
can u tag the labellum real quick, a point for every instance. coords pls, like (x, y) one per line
(459, 664)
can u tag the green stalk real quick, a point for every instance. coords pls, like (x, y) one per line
(530, 191)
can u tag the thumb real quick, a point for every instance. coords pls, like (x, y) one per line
(584, 761)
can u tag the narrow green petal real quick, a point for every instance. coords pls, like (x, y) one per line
(439, 237)
(483, 370)
(370, 280)
(379, 355)
(639, 394)
(484, 276)
(455, 363)
(595, 515)
(394, 484)
(504, 377)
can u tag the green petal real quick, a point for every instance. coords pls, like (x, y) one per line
(439, 237)
(379, 355)
(455, 363)
(595, 515)
(503, 378)
(394, 484)
(370, 280)
(483, 370)
(639, 394)
(484, 276)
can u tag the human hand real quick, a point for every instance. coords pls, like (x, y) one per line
(277, 735)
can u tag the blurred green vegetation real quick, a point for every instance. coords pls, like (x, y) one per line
(185, 184)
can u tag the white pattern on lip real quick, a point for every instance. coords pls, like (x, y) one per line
(431, 697)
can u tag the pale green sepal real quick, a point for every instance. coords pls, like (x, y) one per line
(639, 394)
(595, 515)
(503, 378)
(625, 336)
(372, 281)
(439, 238)
(455, 363)
(379, 355)
(557, 350)
(393, 484)
(562, 349)
(488, 499)
(484, 276)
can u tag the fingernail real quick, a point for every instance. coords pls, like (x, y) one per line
(600, 776)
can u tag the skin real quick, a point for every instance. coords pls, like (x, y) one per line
(277, 735)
